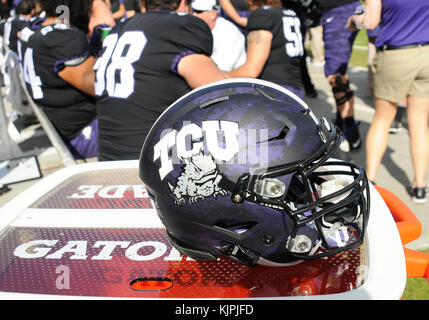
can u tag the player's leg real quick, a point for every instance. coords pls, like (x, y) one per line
(418, 114)
(344, 98)
(378, 134)
(338, 48)
(418, 117)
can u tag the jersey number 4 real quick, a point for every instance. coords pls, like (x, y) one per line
(115, 71)
(30, 76)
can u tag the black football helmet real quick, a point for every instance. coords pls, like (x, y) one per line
(244, 169)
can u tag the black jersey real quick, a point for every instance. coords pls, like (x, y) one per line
(26, 32)
(240, 5)
(287, 49)
(115, 5)
(137, 77)
(2, 26)
(48, 51)
(11, 29)
(132, 5)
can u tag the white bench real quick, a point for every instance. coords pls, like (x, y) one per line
(54, 137)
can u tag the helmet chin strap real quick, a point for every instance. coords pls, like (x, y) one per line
(243, 255)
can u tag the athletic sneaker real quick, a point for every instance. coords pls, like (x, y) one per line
(352, 140)
(396, 127)
(418, 195)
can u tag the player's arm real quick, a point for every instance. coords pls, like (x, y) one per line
(81, 76)
(101, 14)
(108, 4)
(120, 13)
(373, 14)
(199, 70)
(232, 13)
(258, 51)
(371, 17)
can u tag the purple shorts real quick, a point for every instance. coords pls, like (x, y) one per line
(85, 145)
(337, 38)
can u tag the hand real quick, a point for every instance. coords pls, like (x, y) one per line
(242, 21)
(351, 24)
(100, 15)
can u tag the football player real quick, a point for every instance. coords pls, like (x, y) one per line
(24, 12)
(338, 49)
(274, 46)
(58, 70)
(306, 17)
(149, 61)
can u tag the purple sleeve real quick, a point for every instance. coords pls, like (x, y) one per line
(194, 37)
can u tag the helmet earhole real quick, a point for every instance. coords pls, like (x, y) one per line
(268, 240)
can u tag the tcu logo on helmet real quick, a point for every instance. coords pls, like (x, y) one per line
(200, 176)
(209, 131)
(199, 180)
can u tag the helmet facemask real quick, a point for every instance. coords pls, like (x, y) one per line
(327, 200)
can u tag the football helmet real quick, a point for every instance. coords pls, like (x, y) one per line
(243, 168)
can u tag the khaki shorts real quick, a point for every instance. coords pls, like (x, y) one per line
(401, 73)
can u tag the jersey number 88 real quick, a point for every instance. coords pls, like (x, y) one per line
(114, 60)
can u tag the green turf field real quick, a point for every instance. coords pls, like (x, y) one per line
(417, 289)
(359, 55)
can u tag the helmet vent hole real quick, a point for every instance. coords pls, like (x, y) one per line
(281, 136)
(214, 101)
(238, 228)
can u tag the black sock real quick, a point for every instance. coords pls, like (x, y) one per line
(349, 121)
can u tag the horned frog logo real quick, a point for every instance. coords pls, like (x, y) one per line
(198, 181)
